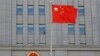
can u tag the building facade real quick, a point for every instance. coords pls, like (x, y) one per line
(25, 26)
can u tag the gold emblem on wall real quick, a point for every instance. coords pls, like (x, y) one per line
(33, 53)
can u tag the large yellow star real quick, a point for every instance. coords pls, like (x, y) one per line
(56, 9)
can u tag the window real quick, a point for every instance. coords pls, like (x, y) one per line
(30, 28)
(82, 29)
(42, 28)
(19, 10)
(41, 10)
(19, 29)
(71, 30)
(30, 10)
(81, 11)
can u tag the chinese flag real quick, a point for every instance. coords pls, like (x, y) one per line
(64, 14)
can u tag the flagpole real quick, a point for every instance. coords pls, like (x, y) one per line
(51, 42)
(51, 30)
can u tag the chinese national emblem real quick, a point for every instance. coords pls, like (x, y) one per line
(33, 53)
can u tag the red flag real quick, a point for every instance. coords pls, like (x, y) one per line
(64, 14)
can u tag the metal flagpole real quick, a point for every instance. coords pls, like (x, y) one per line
(51, 49)
(51, 27)
(51, 42)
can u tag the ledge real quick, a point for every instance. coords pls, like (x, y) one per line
(47, 47)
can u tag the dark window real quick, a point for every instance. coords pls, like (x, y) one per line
(71, 30)
(30, 10)
(82, 29)
(42, 28)
(19, 10)
(81, 11)
(41, 10)
(30, 28)
(19, 29)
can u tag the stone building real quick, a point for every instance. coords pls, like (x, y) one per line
(25, 26)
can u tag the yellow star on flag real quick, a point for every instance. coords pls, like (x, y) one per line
(56, 9)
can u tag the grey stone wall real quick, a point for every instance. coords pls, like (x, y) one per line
(8, 20)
